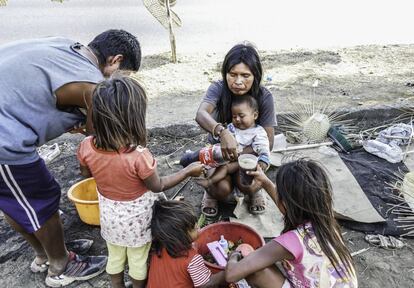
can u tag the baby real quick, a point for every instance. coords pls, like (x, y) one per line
(247, 133)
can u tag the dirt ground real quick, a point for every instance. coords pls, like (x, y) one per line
(362, 76)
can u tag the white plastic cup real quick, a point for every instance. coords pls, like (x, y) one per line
(247, 162)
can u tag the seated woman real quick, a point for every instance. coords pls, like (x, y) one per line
(247, 134)
(242, 74)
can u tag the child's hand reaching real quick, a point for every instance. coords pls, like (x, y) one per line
(260, 178)
(195, 169)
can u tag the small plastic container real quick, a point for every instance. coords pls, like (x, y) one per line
(224, 244)
(218, 253)
(85, 197)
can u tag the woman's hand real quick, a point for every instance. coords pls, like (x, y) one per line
(228, 145)
(195, 169)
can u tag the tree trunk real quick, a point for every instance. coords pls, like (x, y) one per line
(172, 37)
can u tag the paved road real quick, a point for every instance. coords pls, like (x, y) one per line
(215, 25)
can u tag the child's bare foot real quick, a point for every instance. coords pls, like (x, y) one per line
(205, 183)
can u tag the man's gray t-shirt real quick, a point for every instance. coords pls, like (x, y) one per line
(31, 72)
(267, 117)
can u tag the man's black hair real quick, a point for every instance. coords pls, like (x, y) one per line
(113, 42)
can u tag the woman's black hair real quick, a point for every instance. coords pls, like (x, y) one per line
(304, 190)
(247, 54)
(170, 226)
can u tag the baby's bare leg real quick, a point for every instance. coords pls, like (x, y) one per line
(219, 174)
(223, 171)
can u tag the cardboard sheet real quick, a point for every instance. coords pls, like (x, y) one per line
(350, 202)
(269, 224)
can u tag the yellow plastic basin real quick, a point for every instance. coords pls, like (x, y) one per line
(83, 194)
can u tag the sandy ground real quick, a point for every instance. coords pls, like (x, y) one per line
(363, 76)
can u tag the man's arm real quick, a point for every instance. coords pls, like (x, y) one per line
(78, 94)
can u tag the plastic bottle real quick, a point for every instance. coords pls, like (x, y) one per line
(224, 244)
(212, 156)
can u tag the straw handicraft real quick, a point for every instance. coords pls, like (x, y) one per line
(313, 120)
(158, 9)
(405, 209)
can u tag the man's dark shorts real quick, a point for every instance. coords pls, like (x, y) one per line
(28, 194)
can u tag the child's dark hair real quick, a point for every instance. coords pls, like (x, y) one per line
(118, 114)
(248, 99)
(170, 226)
(305, 192)
(113, 42)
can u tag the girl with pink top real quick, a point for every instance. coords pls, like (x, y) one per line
(310, 249)
(126, 176)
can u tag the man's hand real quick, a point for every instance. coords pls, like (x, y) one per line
(81, 130)
(77, 94)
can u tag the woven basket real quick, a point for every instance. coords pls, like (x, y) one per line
(316, 127)
(408, 189)
(158, 9)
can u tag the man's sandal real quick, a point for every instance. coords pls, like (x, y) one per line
(39, 268)
(79, 246)
(209, 206)
(257, 203)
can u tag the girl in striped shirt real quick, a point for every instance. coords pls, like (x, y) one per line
(174, 261)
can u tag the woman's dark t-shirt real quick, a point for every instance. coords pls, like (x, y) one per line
(267, 117)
